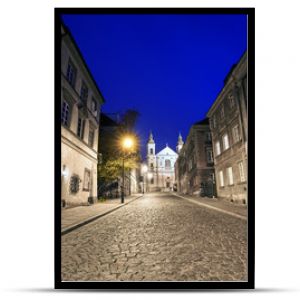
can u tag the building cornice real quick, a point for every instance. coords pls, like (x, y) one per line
(70, 42)
(79, 140)
(233, 79)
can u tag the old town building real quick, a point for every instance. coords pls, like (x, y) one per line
(81, 101)
(161, 172)
(194, 166)
(228, 122)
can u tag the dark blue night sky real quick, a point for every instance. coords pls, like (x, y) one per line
(168, 67)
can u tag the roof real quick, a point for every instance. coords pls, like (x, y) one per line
(166, 151)
(230, 78)
(229, 74)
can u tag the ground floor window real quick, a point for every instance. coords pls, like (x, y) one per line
(87, 180)
(230, 176)
(221, 177)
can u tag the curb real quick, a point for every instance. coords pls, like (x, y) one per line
(93, 218)
(214, 208)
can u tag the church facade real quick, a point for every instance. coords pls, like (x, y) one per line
(161, 170)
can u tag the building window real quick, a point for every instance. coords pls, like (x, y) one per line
(218, 148)
(151, 166)
(231, 101)
(209, 155)
(91, 137)
(84, 92)
(221, 177)
(230, 176)
(214, 121)
(236, 133)
(208, 136)
(80, 127)
(152, 180)
(71, 73)
(241, 169)
(86, 180)
(65, 113)
(151, 151)
(94, 107)
(222, 113)
(225, 141)
(167, 164)
(74, 184)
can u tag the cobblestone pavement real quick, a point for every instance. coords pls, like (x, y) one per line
(158, 237)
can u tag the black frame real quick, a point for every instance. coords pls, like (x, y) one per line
(162, 285)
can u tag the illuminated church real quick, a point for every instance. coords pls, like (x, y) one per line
(161, 171)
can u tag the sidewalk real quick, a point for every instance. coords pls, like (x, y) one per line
(219, 204)
(72, 218)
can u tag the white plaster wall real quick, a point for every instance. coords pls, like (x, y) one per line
(75, 164)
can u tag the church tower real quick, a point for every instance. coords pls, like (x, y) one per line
(179, 143)
(151, 157)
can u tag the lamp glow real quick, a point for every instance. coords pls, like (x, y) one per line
(128, 143)
(64, 171)
(144, 168)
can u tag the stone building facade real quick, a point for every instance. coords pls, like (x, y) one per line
(229, 127)
(194, 167)
(161, 171)
(81, 102)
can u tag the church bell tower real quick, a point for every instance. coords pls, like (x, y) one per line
(151, 153)
(179, 143)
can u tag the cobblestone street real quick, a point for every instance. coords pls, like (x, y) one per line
(159, 237)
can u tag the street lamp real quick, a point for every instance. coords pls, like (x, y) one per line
(144, 171)
(64, 171)
(127, 144)
(213, 184)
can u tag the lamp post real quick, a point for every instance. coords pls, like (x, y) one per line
(213, 184)
(127, 144)
(144, 171)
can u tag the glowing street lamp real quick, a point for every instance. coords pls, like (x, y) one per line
(144, 168)
(64, 171)
(127, 144)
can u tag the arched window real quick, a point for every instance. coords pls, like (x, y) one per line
(167, 164)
